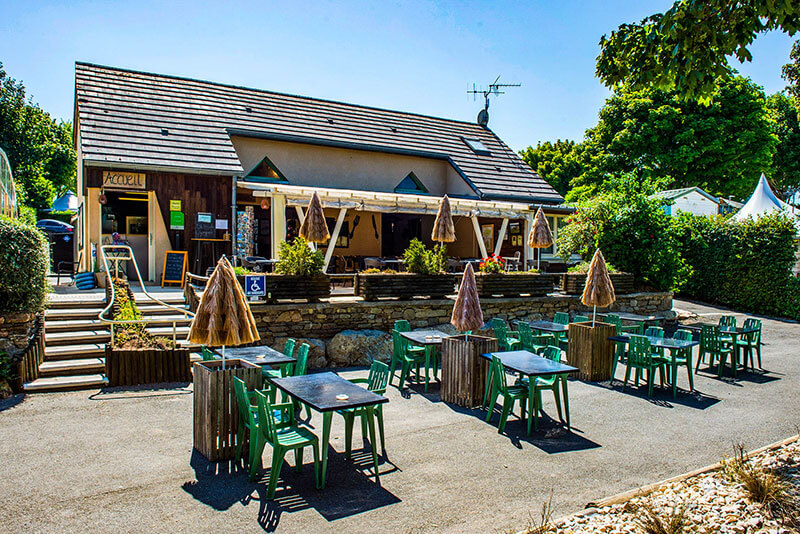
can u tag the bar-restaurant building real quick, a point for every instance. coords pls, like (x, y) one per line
(171, 163)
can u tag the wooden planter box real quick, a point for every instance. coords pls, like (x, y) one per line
(573, 283)
(404, 286)
(514, 285)
(285, 286)
(463, 370)
(131, 367)
(590, 350)
(216, 413)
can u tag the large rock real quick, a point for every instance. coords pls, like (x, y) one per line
(359, 347)
(316, 352)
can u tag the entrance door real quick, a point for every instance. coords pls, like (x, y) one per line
(398, 230)
(127, 213)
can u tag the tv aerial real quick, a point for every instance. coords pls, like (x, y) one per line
(494, 89)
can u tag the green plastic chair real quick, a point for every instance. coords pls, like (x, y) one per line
(747, 342)
(655, 331)
(207, 354)
(727, 320)
(504, 340)
(547, 383)
(682, 357)
(641, 358)
(561, 318)
(401, 325)
(246, 406)
(376, 382)
(533, 342)
(619, 346)
(266, 373)
(511, 394)
(581, 319)
(410, 357)
(283, 436)
(712, 343)
(300, 368)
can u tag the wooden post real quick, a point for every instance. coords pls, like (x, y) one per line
(590, 350)
(334, 237)
(463, 370)
(479, 236)
(500, 236)
(216, 413)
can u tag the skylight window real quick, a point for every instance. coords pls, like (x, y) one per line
(477, 146)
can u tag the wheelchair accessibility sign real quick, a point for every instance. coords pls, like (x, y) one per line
(255, 285)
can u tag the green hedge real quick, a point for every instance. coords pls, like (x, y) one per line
(24, 263)
(744, 265)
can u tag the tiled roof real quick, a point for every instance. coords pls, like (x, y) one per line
(137, 118)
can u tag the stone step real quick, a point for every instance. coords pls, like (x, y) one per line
(77, 366)
(72, 314)
(61, 383)
(80, 325)
(82, 337)
(70, 352)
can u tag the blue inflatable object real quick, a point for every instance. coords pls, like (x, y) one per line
(85, 281)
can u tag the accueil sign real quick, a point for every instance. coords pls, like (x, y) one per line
(123, 180)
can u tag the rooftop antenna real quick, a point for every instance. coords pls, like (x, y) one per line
(494, 89)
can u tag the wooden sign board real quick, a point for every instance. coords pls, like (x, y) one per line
(175, 263)
(124, 180)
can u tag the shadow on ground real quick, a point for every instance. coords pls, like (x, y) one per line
(167, 389)
(10, 402)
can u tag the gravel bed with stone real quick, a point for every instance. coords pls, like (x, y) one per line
(713, 503)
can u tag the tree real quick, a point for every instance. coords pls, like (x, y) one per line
(791, 72)
(687, 48)
(785, 170)
(39, 149)
(558, 163)
(666, 140)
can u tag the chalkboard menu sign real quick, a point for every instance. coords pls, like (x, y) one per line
(174, 267)
(204, 227)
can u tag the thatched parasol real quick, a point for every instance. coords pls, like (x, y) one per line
(467, 314)
(540, 236)
(223, 316)
(444, 231)
(599, 290)
(314, 228)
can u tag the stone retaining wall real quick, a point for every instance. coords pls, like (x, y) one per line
(333, 328)
(16, 330)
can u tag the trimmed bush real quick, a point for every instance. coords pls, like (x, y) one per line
(297, 258)
(24, 263)
(744, 265)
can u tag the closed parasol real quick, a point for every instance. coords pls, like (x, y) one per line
(467, 314)
(444, 231)
(223, 316)
(599, 291)
(540, 236)
(314, 228)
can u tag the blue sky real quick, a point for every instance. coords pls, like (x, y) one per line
(412, 56)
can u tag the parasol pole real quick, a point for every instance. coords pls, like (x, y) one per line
(594, 313)
(223, 357)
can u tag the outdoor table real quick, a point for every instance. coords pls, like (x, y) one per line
(548, 326)
(431, 339)
(532, 365)
(671, 344)
(320, 391)
(635, 318)
(259, 355)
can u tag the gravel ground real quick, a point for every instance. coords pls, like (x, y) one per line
(122, 461)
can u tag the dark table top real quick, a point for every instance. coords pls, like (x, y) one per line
(530, 364)
(548, 326)
(659, 342)
(418, 336)
(260, 355)
(724, 329)
(319, 390)
(633, 317)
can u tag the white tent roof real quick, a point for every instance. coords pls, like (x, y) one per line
(764, 201)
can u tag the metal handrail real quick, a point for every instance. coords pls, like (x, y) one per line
(130, 256)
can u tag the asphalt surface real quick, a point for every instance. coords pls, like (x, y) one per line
(122, 461)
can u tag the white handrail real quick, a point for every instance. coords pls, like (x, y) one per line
(130, 256)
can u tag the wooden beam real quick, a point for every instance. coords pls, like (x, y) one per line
(477, 228)
(334, 237)
(500, 237)
(278, 226)
(527, 251)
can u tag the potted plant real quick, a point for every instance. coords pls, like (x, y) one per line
(424, 276)
(133, 355)
(573, 281)
(493, 280)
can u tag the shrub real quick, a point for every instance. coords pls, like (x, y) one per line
(419, 260)
(24, 263)
(492, 264)
(298, 259)
(583, 268)
(241, 271)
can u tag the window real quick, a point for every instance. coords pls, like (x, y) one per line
(265, 171)
(411, 184)
(477, 146)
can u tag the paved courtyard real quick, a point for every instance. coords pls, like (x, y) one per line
(122, 461)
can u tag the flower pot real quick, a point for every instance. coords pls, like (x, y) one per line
(372, 286)
(514, 285)
(590, 350)
(464, 371)
(573, 283)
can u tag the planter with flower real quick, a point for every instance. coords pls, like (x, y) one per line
(492, 280)
(573, 281)
(424, 276)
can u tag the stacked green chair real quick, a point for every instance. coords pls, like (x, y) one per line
(283, 435)
(748, 342)
(511, 394)
(409, 357)
(533, 342)
(504, 340)
(713, 344)
(247, 408)
(376, 382)
(682, 357)
(641, 358)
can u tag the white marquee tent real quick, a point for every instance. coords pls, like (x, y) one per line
(763, 201)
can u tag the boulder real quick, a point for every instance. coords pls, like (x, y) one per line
(359, 347)
(316, 353)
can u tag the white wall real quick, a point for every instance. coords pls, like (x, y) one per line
(694, 203)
